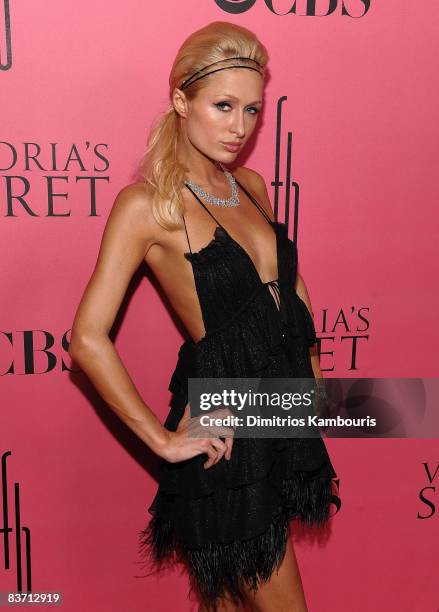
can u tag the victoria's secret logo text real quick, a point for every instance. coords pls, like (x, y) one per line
(53, 168)
(348, 326)
(428, 493)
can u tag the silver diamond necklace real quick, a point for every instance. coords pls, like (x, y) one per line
(232, 201)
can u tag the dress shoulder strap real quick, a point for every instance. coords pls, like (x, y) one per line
(205, 208)
(187, 235)
(253, 199)
(249, 195)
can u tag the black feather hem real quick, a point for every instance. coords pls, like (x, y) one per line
(217, 568)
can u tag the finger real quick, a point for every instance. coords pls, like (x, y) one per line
(210, 451)
(220, 447)
(215, 449)
(229, 444)
(220, 432)
(222, 413)
(216, 425)
(197, 430)
(218, 444)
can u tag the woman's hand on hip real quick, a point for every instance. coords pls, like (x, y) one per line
(192, 439)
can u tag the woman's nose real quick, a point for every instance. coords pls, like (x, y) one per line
(238, 125)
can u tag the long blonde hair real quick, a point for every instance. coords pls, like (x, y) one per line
(159, 165)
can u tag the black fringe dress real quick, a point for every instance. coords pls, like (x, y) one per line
(229, 524)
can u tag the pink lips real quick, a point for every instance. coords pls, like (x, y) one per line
(233, 148)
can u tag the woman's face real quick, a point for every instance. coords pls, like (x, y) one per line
(223, 114)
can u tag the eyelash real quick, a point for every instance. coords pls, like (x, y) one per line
(219, 104)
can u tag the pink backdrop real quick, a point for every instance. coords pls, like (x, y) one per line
(362, 101)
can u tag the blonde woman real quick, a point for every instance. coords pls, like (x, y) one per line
(223, 506)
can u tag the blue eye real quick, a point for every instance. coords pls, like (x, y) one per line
(220, 105)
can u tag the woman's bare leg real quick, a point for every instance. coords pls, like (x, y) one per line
(283, 591)
(223, 605)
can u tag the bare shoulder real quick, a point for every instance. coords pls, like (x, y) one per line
(255, 183)
(133, 199)
(127, 236)
(132, 210)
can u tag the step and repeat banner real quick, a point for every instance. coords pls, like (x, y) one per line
(347, 145)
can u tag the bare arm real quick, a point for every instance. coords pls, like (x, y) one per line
(125, 241)
(128, 235)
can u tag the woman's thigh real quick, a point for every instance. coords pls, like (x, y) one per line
(283, 591)
(223, 605)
